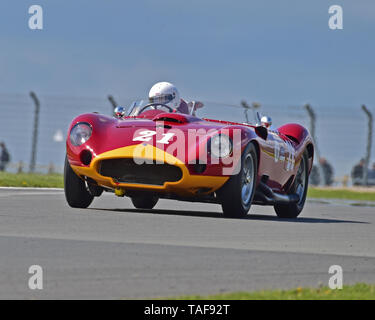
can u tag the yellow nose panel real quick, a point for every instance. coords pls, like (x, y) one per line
(188, 185)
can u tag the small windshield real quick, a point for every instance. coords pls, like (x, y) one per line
(139, 106)
(200, 109)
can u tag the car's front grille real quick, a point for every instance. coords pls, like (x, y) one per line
(126, 170)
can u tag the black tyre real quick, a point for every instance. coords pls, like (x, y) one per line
(76, 193)
(144, 202)
(299, 187)
(237, 194)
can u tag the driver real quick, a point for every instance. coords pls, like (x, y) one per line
(166, 93)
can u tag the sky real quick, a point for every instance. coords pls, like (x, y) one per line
(279, 52)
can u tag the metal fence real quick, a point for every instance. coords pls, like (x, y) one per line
(342, 132)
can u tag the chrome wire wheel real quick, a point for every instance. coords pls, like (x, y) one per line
(247, 180)
(238, 192)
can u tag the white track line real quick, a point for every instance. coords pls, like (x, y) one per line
(30, 188)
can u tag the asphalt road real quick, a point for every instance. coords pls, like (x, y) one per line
(114, 251)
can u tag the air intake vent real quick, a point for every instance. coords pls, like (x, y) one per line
(126, 170)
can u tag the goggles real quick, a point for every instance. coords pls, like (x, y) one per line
(163, 98)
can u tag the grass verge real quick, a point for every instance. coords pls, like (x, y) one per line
(347, 194)
(359, 291)
(31, 180)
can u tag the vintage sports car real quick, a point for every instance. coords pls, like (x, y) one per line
(152, 152)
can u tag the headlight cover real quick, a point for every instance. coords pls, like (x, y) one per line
(221, 146)
(80, 133)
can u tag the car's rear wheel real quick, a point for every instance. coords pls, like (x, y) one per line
(237, 194)
(299, 187)
(144, 202)
(76, 193)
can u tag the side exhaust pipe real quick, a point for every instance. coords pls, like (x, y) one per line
(265, 194)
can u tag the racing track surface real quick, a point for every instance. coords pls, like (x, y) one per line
(114, 251)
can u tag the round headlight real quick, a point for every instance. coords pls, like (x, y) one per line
(80, 133)
(221, 146)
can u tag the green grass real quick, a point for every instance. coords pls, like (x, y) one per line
(341, 194)
(31, 180)
(359, 291)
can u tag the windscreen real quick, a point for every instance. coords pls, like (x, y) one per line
(200, 109)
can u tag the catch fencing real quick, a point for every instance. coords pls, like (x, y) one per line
(342, 132)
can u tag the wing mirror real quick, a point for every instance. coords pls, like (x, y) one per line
(266, 121)
(194, 105)
(263, 123)
(119, 112)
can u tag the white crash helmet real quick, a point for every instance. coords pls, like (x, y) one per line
(165, 93)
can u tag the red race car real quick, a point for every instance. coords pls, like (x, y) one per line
(152, 151)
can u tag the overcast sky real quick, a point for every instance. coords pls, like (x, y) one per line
(278, 52)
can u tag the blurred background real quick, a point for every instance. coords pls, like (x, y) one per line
(281, 55)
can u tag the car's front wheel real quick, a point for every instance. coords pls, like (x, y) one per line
(237, 194)
(144, 202)
(76, 193)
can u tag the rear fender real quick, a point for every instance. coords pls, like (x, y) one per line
(301, 136)
(294, 131)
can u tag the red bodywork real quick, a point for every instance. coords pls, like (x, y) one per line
(275, 148)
